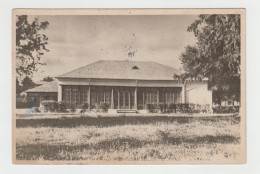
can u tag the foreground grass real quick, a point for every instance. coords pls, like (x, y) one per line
(129, 139)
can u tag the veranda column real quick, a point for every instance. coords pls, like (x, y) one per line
(118, 99)
(135, 98)
(143, 101)
(112, 98)
(89, 97)
(157, 96)
(183, 94)
(59, 92)
(129, 100)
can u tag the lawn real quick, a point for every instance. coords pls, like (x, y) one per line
(125, 138)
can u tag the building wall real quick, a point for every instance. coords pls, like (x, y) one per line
(120, 97)
(35, 98)
(198, 93)
(195, 92)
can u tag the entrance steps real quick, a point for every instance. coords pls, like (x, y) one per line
(126, 111)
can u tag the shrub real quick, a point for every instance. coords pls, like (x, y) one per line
(204, 110)
(82, 111)
(172, 107)
(198, 106)
(192, 108)
(225, 109)
(185, 108)
(163, 107)
(36, 110)
(179, 107)
(72, 107)
(92, 106)
(84, 107)
(96, 107)
(236, 108)
(63, 106)
(195, 111)
(104, 107)
(49, 105)
(150, 107)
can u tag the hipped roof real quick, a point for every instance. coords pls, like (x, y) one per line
(45, 87)
(112, 69)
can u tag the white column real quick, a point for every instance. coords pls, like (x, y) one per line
(118, 99)
(183, 92)
(143, 101)
(112, 99)
(59, 92)
(135, 98)
(129, 100)
(158, 97)
(89, 98)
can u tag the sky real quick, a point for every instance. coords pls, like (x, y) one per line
(76, 41)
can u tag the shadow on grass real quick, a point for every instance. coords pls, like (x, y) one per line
(207, 139)
(68, 122)
(71, 152)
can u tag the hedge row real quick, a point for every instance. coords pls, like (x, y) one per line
(188, 108)
(226, 109)
(63, 107)
(60, 107)
(174, 107)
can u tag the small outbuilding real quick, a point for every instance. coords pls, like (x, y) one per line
(46, 91)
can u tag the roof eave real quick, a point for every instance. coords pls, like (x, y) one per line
(115, 79)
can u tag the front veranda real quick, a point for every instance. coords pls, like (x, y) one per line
(121, 97)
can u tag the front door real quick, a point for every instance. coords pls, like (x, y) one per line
(124, 100)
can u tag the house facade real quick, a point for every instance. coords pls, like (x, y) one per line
(129, 85)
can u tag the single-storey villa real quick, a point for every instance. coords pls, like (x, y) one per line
(129, 85)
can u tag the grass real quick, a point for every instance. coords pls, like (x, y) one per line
(129, 138)
(68, 122)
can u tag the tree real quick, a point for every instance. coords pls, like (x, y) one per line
(48, 79)
(18, 87)
(30, 45)
(26, 84)
(216, 54)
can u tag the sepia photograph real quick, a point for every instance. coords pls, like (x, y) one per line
(129, 86)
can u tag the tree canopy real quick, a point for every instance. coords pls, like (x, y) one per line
(48, 79)
(216, 54)
(30, 45)
(25, 84)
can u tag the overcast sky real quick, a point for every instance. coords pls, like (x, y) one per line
(75, 41)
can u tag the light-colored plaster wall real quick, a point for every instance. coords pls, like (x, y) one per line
(198, 93)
